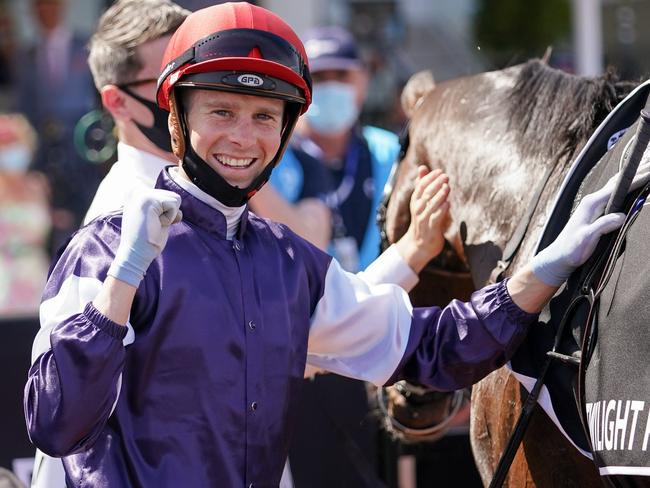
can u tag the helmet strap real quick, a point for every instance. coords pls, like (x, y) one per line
(211, 182)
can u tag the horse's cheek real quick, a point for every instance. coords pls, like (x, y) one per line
(398, 214)
(453, 237)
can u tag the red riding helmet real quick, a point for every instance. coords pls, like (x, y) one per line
(240, 48)
(216, 42)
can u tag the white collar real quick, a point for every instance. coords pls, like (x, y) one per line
(141, 161)
(232, 214)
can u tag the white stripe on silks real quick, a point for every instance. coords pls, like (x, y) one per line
(118, 390)
(358, 329)
(544, 401)
(390, 267)
(74, 294)
(625, 470)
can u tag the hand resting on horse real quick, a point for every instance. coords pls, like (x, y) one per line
(537, 282)
(429, 209)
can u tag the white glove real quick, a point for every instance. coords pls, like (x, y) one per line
(578, 240)
(145, 227)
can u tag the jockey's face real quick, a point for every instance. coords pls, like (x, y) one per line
(237, 135)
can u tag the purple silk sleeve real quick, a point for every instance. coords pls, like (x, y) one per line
(458, 345)
(71, 388)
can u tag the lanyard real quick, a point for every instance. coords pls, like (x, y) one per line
(334, 199)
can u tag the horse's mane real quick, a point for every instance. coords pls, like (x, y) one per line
(557, 112)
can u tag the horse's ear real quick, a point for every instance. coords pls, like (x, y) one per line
(547, 55)
(415, 90)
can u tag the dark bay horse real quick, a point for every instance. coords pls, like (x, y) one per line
(506, 140)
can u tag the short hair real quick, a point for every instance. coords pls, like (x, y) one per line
(126, 25)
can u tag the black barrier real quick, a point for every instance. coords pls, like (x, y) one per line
(15, 358)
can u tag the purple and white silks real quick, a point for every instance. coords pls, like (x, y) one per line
(199, 390)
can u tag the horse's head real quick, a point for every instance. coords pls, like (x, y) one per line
(462, 128)
(496, 135)
(504, 138)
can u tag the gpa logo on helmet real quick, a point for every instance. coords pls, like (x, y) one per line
(250, 80)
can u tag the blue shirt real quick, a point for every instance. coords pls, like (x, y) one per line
(299, 176)
(353, 192)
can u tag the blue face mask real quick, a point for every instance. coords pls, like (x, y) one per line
(15, 158)
(333, 108)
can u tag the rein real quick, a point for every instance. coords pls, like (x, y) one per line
(511, 249)
(431, 433)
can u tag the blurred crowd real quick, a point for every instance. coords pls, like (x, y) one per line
(46, 182)
(57, 142)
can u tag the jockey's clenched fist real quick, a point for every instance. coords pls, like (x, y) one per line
(146, 220)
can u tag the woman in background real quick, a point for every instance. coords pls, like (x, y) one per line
(24, 220)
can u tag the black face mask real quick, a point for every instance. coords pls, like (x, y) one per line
(159, 132)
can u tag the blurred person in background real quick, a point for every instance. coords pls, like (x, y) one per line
(357, 158)
(125, 55)
(54, 90)
(24, 220)
(126, 51)
(357, 161)
(295, 196)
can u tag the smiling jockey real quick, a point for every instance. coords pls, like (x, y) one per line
(175, 334)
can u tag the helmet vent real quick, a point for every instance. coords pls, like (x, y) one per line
(255, 53)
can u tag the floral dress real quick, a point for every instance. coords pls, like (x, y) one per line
(24, 228)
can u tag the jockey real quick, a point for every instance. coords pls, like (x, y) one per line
(175, 334)
(268, 62)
